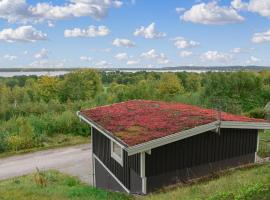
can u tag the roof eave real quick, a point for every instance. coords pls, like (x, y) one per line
(245, 125)
(101, 129)
(195, 131)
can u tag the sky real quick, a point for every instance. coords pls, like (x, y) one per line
(134, 33)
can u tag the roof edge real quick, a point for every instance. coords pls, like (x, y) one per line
(195, 131)
(172, 138)
(245, 125)
(101, 129)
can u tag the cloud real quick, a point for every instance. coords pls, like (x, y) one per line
(121, 56)
(185, 54)
(238, 50)
(261, 37)
(149, 32)
(133, 62)
(260, 6)
(10, 57)
(122, 42)
(158, 57)
(211, 14)
(253, 60)
(239, 5)
(85, 58)
(91, 31)
(102, 63)
(179, 10)
(182, 43)
(43, 53)
(22, 34)
(20, 11)
(40, 63)
(215, 56)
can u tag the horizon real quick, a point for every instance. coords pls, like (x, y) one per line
(134, 33)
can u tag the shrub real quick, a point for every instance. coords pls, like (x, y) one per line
(257, 113)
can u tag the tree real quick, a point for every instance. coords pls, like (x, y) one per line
(47, 87)
(170, 85)
(193, 82)
(80, 85)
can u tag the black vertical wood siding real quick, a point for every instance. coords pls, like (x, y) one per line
(102, 149)
(201, 149)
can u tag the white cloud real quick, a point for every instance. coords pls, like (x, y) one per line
(122, 42)
(260, 6)
(211, 13)
(22, 34)
(261, 37)
(238, 50)
(14, 10)
(20, 11)
(185, 54)
(239, 5)
(158, 57)
(91, 31)
(121, 56)
(40, 63)
(85, 58)
(182, 43)
(253, 60)
(102, 63)
(179, 10)
(10, 57)
(133, 62)
(215, 56)
(149, 32)
(51, 24)
(43, 53)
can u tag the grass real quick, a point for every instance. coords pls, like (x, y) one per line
(59, 140)
(264, 147)
(249, 183)
(59, 187)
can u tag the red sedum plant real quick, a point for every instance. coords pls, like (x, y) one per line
(139, 121)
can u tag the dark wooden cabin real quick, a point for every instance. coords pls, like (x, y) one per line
(140, 146)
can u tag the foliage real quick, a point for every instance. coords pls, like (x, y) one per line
(48, 105)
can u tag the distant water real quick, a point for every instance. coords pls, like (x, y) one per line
(11, 74)
(58, 73)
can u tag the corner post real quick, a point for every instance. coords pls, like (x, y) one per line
(144, 184)
(93, 159)
(257, 148)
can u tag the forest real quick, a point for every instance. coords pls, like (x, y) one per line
(41, 111)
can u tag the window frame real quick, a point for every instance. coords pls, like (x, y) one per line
(114, 155)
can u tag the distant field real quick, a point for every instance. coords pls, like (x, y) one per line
(243, 184)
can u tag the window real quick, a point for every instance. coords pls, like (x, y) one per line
(117, 152)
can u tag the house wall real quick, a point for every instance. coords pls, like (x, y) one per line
(199, 155)
(126, 174)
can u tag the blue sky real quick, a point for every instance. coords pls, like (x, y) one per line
(134, 33)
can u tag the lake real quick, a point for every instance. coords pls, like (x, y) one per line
(42, 73)
(58, 73)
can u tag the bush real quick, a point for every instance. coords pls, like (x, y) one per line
(257, 113)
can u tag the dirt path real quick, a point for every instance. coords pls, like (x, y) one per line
(74, 160)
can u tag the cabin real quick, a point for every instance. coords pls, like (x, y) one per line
(140, 146)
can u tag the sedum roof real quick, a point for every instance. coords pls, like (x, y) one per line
(138, 121)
